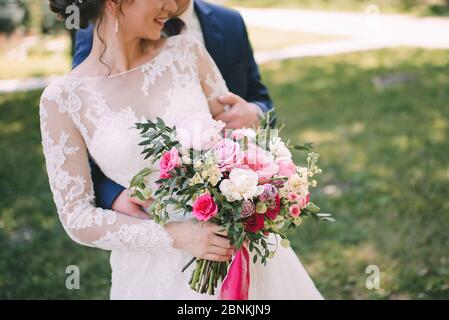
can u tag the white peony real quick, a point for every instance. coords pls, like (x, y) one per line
(199, 131)
(278, 148)
(241, 185)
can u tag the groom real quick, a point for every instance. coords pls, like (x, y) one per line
(224, 34)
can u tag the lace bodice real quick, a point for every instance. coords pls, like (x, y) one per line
(96, 116)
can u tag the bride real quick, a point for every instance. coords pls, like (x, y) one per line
(133, 74)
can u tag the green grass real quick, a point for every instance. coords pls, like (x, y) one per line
(35, 250)
(384, 150)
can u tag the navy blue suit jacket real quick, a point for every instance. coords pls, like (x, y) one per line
(227, 42)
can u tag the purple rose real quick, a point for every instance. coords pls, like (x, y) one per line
(248, 209)
(270, 191)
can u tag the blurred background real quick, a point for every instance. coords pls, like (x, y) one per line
(366, 81)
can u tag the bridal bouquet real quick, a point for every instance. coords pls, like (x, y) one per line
(243, 180)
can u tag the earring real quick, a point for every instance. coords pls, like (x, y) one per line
(116, 25)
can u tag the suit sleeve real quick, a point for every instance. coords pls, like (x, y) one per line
(83, 45)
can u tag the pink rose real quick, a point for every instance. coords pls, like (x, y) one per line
(303, 201)
(295, 210)
(169, 161)
(291, 196)
(260, 161)
(286, 167)
(204, 207)
(228, 152)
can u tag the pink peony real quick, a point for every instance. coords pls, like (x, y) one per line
(260, 161)
(198, 131)
(229, 156)
(169, 161)
(286, 167)
(204, 207)
(295, 210)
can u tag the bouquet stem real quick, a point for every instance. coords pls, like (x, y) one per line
(206, 276)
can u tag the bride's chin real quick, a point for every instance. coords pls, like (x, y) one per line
(155, 36)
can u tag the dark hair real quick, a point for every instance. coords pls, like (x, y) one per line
(90, 10)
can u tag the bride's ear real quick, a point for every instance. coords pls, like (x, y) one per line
(112, 6)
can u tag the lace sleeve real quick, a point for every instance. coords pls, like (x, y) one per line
(212, 82)
(70, 181)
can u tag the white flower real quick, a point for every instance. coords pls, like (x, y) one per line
(199, 131)
(279, 149)
(197, 179)
(242, 184)
(215, 175)
(186, 159)
(299, 183)
(210, 158)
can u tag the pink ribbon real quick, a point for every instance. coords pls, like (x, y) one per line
(235, 286)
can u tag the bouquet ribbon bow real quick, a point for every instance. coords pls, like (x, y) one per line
(235, 286)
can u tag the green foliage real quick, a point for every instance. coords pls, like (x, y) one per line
(32, 15)
(12, 15)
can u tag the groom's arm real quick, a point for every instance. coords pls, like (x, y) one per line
(106, 190)
(246, 110)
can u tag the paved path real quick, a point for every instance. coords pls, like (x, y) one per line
(361, 31)
(7, 86)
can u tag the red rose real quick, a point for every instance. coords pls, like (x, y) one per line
(204, 207)
(255, 223)
(272, 213)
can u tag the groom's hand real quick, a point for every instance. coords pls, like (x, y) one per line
(242, 114)
(132, 207)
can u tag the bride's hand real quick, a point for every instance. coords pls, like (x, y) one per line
(130, 206)
(202, 240)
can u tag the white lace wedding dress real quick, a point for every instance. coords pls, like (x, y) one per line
(95, 115)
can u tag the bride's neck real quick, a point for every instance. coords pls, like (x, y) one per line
(117, 52)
